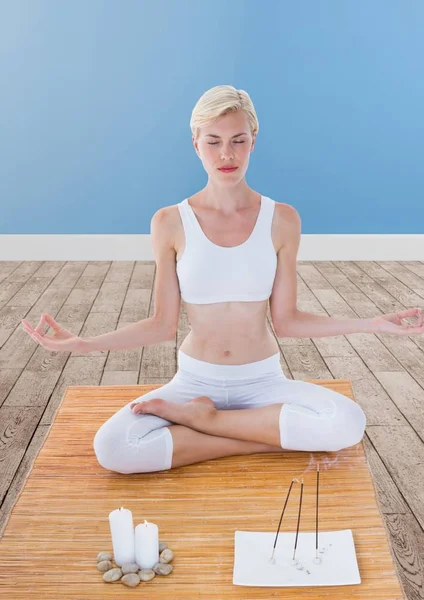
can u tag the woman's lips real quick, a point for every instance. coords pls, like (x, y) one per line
(228, 170)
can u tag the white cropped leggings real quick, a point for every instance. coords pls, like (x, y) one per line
(312, 418)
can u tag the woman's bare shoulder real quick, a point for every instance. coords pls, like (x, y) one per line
(170, 220)
(171, 214)
(286, 224)
(286, 215)
(285, 210)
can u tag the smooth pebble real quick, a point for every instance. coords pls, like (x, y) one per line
(166, 556)
(131, 579)
(129, 573)
(104, 556)
(162, 568)
(104, 565)
(146, 574)
(112, 575)
(129, 568)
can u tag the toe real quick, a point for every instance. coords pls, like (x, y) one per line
(155, 406)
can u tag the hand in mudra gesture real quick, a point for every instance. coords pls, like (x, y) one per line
(392, 322)
(62, 339)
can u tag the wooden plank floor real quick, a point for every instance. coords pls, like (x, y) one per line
(90, 298)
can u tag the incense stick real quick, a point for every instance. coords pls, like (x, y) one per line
(316, 540)
(298, 518)
(317, 560)
(271, 560)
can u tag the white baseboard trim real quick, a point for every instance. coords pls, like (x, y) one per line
(138, 247)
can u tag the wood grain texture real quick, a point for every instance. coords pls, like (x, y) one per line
(61, 516)
(386, 372)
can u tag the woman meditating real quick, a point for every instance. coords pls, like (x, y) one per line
(225, 251)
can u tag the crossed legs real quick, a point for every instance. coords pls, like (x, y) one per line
(260, 425)
(191, 446)
(171, 434)
(144, 443)
(330, 422)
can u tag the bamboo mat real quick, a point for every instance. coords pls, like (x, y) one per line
(60, 521)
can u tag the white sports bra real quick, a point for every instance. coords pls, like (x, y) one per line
(208, 273)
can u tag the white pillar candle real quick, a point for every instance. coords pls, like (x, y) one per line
(123, 539)
(146, 545)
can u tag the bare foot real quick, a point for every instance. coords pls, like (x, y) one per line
(190, 413)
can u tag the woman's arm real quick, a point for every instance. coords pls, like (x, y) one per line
(166, 296)
(162, 326)
(287, 320)
(303, 324)
(143, 333)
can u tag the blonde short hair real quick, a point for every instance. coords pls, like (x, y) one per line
(219, 101)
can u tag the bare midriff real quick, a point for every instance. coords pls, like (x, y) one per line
(227, 333)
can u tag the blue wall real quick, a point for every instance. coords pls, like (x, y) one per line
(96, 98)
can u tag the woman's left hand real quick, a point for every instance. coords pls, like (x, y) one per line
(392, 322)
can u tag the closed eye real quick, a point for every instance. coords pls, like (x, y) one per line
(214, 143)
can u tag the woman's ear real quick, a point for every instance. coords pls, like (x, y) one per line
(196, 149)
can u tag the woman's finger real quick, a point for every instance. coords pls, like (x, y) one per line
(412, 312)
(26, 325)
(42, 340)
(411, 329)
(50, 343)
(408, 313)
(50, 321)
(417, 330)
(402, 328)
(31, 331)
(40, 326)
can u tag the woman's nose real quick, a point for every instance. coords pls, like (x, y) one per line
(226, 154)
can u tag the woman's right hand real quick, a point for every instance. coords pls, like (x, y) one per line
(61, 340)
